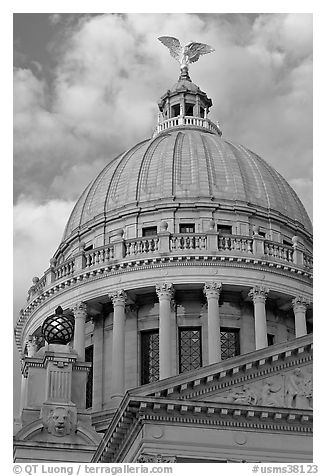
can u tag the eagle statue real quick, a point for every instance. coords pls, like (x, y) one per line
(187, 54)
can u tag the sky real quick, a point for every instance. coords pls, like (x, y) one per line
(86, 88)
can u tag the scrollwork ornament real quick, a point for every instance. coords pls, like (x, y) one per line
(212, 289)
(165, 290)
(258, 294)
(80, 309)
(118, 297)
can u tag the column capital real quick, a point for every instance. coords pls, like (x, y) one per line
(212, 289)
(258, 294)
(118, 297)
(164, 291)
(79, 309)
(299, 303)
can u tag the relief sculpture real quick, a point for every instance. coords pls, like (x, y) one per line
(298, 389)
(292, 389)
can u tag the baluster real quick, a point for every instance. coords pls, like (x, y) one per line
(173, 242)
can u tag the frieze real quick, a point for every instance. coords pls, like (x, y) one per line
(292, 389)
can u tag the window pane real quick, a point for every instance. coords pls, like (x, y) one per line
(89, 384)
(149, 357)
(230, 343)
(187, 228)
(189, 349)
(149, 231)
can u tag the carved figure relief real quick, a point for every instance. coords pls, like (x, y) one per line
(298, 389)
(292, 389)
(60, 422)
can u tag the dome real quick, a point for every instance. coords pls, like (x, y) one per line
(187, 164)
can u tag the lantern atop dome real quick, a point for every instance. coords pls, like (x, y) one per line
(185, 104)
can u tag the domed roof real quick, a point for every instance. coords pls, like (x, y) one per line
(185, 163)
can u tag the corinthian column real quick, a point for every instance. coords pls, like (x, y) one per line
(212, 291)
(299, 308)
(118, 299)
(165, 292)
(258, 294)
(80, 313)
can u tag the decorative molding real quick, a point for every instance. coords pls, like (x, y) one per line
(118, 297)
(80, 310)
(212, 289)
(258, 294)
(164, 291)
(299, 303)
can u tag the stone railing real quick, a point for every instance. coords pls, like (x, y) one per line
(139, 246)
(164, 243)
(188, 242)
(188, 121)
(100, 255)
(278, 250)
(235, 243)
(66, 269)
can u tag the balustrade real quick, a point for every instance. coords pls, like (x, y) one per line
(235, 243)
(188, 121)
(173, 243)
(66, 269)
(187, 242)
(99, 256)
(142, 246)
(278, 251)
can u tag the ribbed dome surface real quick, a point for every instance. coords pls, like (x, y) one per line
(187, 163)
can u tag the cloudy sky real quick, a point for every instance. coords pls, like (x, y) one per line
(86, 88)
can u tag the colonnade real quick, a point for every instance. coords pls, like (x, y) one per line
(165, 292)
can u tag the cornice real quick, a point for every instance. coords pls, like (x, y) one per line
(127, 266)
(135, 411)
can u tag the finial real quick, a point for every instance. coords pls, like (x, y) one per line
(185, 55)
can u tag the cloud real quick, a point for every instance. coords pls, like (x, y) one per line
(38, 230)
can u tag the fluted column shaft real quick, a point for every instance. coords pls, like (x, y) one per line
(299, 308)
(80, 314)
(212, 291)
(258, 295)
(165, 293)
(118, 343)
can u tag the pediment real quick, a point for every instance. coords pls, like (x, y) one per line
(278, 376)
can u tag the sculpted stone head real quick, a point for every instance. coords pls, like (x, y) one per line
(59, 421)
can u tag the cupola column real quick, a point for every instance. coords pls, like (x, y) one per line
(165, 292)
(299, 308)
(80, 313)
(258, 294)
(212, 291)
(118, 299)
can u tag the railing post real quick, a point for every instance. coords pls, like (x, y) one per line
(257, 243)
(164, 238)
(49, 273)
(212, 237)
(80, 260)
(118, 245)
(297, 251)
